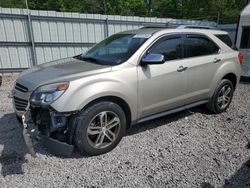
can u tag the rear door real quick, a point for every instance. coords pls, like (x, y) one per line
(203, 59)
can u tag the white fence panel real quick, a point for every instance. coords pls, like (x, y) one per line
(29, 37)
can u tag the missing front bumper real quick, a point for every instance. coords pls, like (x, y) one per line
(31, 135)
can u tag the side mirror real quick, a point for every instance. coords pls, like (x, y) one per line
(153, 59)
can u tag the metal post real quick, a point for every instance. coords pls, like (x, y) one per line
(106, 28)
(105, 10)
(218, 19)
(31, 36)
(27, 6)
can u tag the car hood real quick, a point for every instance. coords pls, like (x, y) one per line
(58, 71)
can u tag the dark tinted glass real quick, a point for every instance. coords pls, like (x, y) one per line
(226, 39)
(245, 38)
(171, 48)
(199, 46)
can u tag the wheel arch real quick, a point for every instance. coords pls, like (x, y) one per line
(229, 71)
(119, 101)
(232, 77)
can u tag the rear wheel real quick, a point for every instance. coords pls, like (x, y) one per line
(222, 97)
(100, 128)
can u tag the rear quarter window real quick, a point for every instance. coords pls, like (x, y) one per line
(226, 39)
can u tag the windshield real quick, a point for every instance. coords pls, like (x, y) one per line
(114, 50)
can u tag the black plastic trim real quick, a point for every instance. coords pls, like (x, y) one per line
(171, 111)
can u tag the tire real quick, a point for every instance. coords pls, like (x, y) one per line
(218, 103)
(89, 128)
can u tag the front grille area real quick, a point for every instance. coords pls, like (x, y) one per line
(21, 88)
(20, 104)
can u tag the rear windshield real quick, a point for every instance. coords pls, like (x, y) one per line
(226, 40)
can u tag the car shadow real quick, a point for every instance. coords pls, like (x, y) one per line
(152, 124)
(12, 145)
(13, 148)
(244, 80)
(240, 179)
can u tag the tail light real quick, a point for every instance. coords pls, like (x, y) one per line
(240, 58)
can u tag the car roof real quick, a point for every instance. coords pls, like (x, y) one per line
(152, 30)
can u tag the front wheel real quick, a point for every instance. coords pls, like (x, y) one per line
(100, 128)
(222, 97)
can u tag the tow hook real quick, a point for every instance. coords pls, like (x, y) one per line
(27, 124)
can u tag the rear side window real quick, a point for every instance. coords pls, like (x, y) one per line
(245, 38)
(198, 45)
(226, 39)
(171, 48)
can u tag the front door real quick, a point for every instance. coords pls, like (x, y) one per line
(162, 87)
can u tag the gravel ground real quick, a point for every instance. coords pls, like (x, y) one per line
(189, 149)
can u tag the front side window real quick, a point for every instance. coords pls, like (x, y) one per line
(245, 38)
(195, 45)
(171, 48)
(114, 50)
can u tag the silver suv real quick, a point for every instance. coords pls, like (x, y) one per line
(90, 100)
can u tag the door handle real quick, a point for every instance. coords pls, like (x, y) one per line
(181, 68)
(216, 60)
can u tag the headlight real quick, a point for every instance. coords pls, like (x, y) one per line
(47, 94)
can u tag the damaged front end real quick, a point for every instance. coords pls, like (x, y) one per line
(48, 127)
(42, 123)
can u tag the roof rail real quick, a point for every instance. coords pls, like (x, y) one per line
(158, 26)
(178, 27)
(195, 27)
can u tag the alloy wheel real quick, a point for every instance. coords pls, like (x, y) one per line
(103, 129)
(224, 96)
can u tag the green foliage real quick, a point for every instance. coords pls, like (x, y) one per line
(228, 10)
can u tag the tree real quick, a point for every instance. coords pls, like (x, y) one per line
(228, 10)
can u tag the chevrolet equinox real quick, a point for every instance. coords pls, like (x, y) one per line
(90, 100)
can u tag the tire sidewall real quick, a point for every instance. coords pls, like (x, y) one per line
(85, 117)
